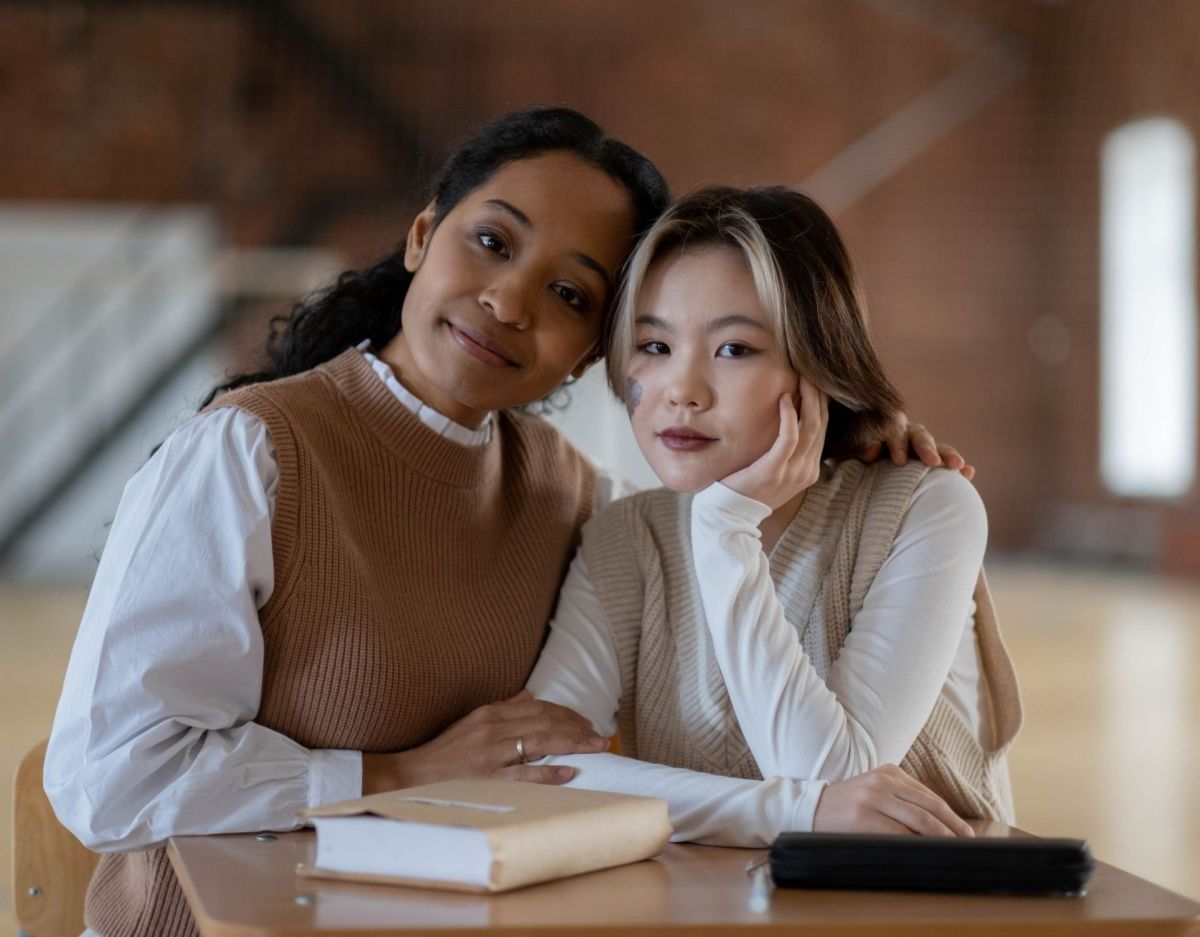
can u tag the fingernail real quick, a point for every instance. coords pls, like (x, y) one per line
(597, 742)
(565, 774)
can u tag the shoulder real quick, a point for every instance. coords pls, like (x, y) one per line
(268, 398)
(530, 426)
(536, 435)
(946, 501)
(897, 506)
(619, 543)
(643, 505)
(917, 495)
(941, 520)
(879, 490)
(216, 434)
(644, 510)
(292, 410)
(222, 456)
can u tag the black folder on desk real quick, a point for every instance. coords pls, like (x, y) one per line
(990, 865)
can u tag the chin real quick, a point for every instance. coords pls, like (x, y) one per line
(684, 482)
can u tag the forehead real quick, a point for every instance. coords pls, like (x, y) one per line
(572, 207)
(699, 284)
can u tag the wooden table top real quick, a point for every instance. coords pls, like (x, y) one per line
(240, 886)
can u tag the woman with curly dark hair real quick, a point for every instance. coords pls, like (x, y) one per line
(322, 584)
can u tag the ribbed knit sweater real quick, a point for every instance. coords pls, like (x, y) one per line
(674, 707)
(414, 578)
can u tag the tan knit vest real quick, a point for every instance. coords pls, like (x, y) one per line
(414, 578)
(674, 706)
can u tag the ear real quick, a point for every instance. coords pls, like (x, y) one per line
(418, 238)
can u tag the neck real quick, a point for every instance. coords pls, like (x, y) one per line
(773, 527)
(398, 356)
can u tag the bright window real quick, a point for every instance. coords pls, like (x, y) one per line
(1148, 309)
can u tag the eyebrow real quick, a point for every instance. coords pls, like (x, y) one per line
(523, 219)
(510, 209)
(715, 326)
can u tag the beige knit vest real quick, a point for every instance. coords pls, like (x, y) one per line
(674, 706)
(414, 578)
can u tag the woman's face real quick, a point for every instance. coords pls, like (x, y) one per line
(510, 289)
(707, 372)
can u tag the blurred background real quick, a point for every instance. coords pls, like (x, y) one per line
(1015, 178)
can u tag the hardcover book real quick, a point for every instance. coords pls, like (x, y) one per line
(483, 835)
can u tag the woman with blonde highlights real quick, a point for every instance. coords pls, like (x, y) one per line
(772, 633)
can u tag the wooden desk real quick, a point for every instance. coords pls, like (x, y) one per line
(238, 887)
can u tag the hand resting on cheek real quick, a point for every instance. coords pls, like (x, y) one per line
(793, 463)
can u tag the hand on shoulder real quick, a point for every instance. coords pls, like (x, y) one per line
(905, 438)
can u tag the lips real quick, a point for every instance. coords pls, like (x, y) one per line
(684, 439)
(482, 347)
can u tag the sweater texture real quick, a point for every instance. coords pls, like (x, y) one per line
(674, 707)
(414, 578)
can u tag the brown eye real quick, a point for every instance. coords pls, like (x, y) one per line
(571, 296)
(492, 242)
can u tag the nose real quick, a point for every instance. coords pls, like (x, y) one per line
(507, 300)
(687, 386)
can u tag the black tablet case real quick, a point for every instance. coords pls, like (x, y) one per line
(990, 865)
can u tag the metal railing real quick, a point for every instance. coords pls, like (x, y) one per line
(92, 354)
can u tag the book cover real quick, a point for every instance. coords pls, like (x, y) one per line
(484, 835)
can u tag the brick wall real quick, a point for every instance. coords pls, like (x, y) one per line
(978, 243)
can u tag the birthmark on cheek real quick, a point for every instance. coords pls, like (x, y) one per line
(633, 395)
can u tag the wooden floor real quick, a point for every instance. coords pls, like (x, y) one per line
(1108, 666)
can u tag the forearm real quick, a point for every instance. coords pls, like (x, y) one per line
(705, 808)
(176, 780)
(792, 722)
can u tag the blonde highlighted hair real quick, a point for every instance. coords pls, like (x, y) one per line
(804, 280)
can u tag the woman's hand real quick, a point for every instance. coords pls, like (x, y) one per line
(904, 437)
(793, 462)
(885, 800)
(484, 744)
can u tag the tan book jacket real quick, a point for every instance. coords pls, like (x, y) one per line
(534, 832)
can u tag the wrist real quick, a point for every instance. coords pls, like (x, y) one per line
(813, 792)
(725, 505)
(387, 771)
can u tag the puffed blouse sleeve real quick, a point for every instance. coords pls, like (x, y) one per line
(154, 735)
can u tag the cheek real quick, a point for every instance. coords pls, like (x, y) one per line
(569, 335)
(633, 395)
(758, 425)
(412, 314)
(639, 388)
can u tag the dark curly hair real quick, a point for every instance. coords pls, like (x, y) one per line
(366, 304)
